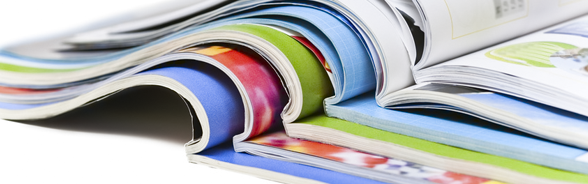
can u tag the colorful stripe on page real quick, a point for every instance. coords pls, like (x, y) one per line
(263, 86)
(361, 159)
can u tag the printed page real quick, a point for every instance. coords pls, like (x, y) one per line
(452, 129)
(548, 122)
(456, 27)
(524, 115)
(556, 57)
(369, 164)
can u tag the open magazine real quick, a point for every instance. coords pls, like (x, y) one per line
(532, 83)
(256, 73)
(205, 64)
(256, 84)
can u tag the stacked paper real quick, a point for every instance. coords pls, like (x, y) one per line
(340, 91)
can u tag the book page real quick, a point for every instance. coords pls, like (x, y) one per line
(331, 155)
(556, 57)
(456, 27)
(526, 116)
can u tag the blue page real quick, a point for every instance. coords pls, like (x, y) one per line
(470, 134)
(535, 112)
(578, 29)
(215, 91)
(11, 106)
(226, 153)
(351, 64)
(217, 94)
(534, 118)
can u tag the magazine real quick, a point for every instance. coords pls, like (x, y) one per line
(248, 69)
(248, 77)
(531, 81)
(532, 68)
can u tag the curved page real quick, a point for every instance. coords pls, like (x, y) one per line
(463, 132)
(432, 154)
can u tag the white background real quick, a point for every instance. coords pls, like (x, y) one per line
(120, 140)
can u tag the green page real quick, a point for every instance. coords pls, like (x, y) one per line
(24, 69)
(314, 80)
(444, 150)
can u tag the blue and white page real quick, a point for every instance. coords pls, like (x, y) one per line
(524, 115)
(224, 156)
(469, 133)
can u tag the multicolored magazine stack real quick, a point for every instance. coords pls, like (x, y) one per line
(342, 91)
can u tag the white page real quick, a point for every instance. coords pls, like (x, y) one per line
(528, 57)
(169, 11)
(456, 27)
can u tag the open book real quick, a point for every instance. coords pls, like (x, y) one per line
(256, 73)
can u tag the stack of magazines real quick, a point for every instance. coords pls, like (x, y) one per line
(341, 91)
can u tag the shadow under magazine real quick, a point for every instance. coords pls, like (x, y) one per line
(146, 111)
